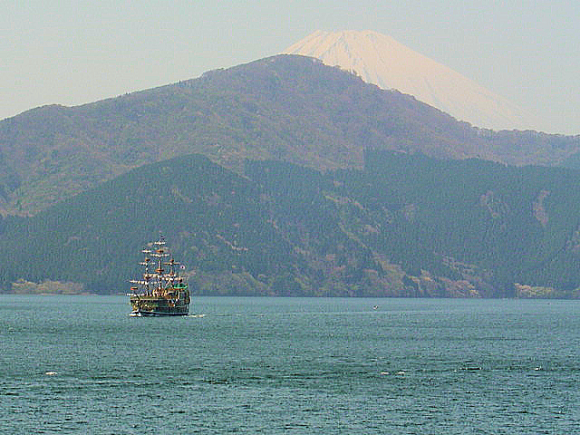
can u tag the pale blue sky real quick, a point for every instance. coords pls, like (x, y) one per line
(72, 52)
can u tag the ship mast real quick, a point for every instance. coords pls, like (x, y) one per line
(147, 275)
(155, 276)
(173, 276)
(145, 282)
(160, 252)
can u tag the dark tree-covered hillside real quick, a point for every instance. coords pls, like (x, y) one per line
(403, 225)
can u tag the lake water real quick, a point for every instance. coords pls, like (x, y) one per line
(80, 364)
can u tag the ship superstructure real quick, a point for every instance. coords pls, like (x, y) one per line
(160, 291)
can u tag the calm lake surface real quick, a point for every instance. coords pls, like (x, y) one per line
(80, 364)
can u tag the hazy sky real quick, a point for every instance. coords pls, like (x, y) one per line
(73, 52)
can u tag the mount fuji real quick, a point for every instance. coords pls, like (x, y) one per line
(380, 60)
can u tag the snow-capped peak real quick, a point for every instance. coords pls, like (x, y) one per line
(381, 60)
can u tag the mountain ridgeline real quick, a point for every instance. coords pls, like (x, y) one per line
(287, 107)
(401, 225)
(381, 60)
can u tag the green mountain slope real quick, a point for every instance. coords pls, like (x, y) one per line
(404, 225)
(288, 108)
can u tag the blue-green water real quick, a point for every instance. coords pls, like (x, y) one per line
(80, 364)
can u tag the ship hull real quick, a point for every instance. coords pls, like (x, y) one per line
(157, 307)
(140, 313)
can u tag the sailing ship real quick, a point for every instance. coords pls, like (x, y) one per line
(161, 291)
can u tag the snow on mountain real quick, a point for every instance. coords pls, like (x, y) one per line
(381, 60)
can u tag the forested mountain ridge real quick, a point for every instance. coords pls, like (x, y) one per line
(288, 108)
(403, 225)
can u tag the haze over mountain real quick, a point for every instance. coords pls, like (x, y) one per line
(286, 107)
(381, 60)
